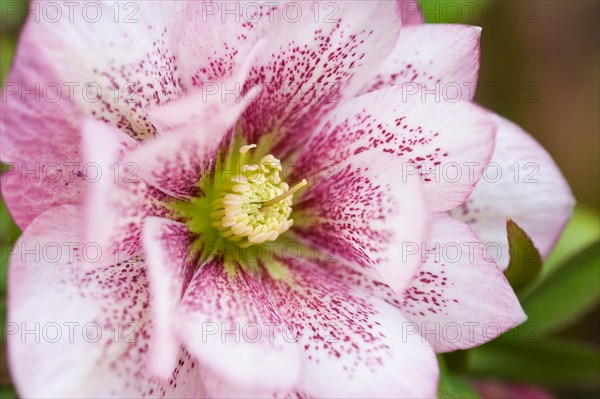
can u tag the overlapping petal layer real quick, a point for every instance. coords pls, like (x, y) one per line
(363, 212)
(523, 183)
(445, 145)
(445, 69)
(170, 266)
(90, 330)
(458, 297)
(113, 65)
(228, 322)
(353, 344)
(312, 62)
(117, 200)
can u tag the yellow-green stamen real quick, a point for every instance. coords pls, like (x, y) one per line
(254, 206)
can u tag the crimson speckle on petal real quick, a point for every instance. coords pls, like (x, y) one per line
(267, 212)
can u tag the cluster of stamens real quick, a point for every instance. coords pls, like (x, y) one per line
(254, 206)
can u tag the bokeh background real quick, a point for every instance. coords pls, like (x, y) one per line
(540, 64)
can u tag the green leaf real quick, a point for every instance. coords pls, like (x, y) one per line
(12, 14)
(455, 12)
(452, 386)
(9, 232)
(551, 362)
(7, 392)
(7, 49)
(582, 230)
(567, 294)
(525, 260)
(457, 362)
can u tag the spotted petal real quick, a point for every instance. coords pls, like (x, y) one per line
(116, 201)
(445, 145)
(446, 67)
(111, 61)
(175, 163)
(170, 269)
(227, 321)
(459, 297)
(216, 45)
(40, 138)
(354, 345)
(364, 213)
(312, 62)
(523, 183)
(91, 336)
(120, 64)
(193, 129)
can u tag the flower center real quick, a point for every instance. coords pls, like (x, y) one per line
(254, 205)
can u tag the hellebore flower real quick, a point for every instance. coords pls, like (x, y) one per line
(288, 239)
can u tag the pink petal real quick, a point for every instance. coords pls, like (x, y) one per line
(310, 64)
(68, 66)
(93, 327)
(364, 213)
(212, 112)
(445, 144)
(522, 183)
(459, 298)
(444, 59)
(131, 62)
(411, 12)
(229, 324)
(170, 269)
(193, 129)
(40, 137)
(354, 344)
(216, 45)
(216, 387)
(116, 199)
(218, 104)
(176, 162)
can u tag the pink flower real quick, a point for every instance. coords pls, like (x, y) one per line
(200, 265)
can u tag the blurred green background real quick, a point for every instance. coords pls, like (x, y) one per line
(540, 64)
